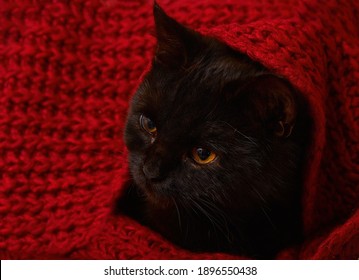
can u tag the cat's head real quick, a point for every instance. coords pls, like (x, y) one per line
(208, 124)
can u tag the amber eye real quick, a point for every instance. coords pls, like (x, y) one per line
(148, 125)
(203, 156)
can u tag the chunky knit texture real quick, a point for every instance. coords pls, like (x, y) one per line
(67, 71)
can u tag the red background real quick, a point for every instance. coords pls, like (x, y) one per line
(67, 71)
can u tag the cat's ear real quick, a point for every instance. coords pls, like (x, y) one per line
(272, 101)
(175, 42)
(276, 104)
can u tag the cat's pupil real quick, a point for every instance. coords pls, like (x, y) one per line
(150, 124)
(203, 154)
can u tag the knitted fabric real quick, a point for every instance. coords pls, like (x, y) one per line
(67, 71)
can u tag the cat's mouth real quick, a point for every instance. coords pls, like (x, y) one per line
(156, 195)
(158, 190)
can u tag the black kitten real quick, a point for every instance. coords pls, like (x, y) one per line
(214, 154)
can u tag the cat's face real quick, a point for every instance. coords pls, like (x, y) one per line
(182, 138)
(204, 124)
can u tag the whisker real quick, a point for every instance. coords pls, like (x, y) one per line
(250, 139)
(222, 216)
(263, 208)
(178, 214)
(215, 221)
(269, 218)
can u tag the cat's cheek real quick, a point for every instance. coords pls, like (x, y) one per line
(135, 164)
(136, 140)
(132, 141)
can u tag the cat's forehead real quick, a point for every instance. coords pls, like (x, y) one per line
(195, 92)
(209, 70)
(195, 82)
(180, 95)
(184, 106)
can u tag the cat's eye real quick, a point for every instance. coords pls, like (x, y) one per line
(203, 156)
(148, 125)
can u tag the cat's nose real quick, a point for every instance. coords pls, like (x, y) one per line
(152, 171)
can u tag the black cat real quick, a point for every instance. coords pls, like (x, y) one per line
(216, 147)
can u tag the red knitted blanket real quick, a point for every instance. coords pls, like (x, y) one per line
(67, 71)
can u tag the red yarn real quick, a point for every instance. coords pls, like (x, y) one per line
(67, 71)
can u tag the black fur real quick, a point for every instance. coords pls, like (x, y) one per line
(201, 93)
